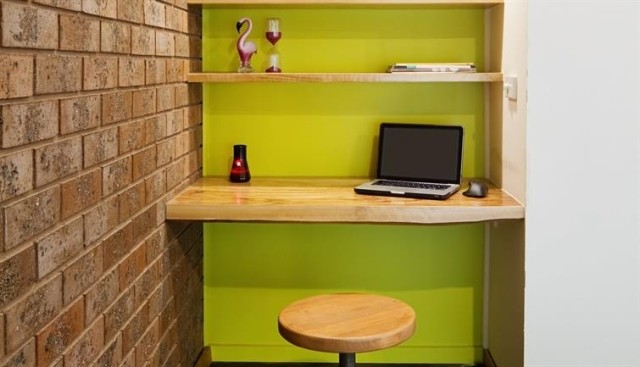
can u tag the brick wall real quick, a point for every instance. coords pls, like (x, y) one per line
(98, 129)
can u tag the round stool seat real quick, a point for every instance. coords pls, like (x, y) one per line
(347, 322)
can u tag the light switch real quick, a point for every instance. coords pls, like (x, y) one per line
(511, 87)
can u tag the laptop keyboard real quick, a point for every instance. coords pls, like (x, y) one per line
(411, 184)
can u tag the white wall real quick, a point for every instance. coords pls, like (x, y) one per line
(582, 296)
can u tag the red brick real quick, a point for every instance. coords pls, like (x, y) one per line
(81, 192)
(161, 215)
(78, 114)
(16, 175)
(116, 107)
(60, 333)
(147, 344)
(101, 220)
(58, 160)
(131, 10)
(161, 303)
(116, 246)
(182, 95)
(59, 247)
(155, 129)
(81, 274)
(65, 4)
(194, 93)
(175, 121)
(24, 357)
(30, 314)
(156, 244)
(131, 201)
(181, 45)
(58, 74)
(144, 163)
(194, 115)
(1, 336)
(144, 223)
(132, 136)
(118, 314)
(194, 65)
(16, 76)
(155, 186)
(28, 123)
(175, 71)
(116, 175)
(115, 37)
(165, 346)
(166, 152)
(17, 273)
(30, 27)
(144, 102)
(143, 41)
(182, 143)
(194, 24)
(193, 164)
(2, 230)
(195, 46)
(88, 347)
(131, 72)
(103, 8)
(100, 72)
(31, 216)
(132, 266)
(101, 295)
(156, 71)
(154, 13)
(79, 33)
(165, 43)
(166, 98)
(100, 146)
(134, 330)
(147, 283)
(112, 354)
(130, 360)
(174, 18)
(175, 173)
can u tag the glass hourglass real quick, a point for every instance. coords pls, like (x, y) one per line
(273, 34)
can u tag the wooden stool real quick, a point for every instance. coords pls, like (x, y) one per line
(347, 323)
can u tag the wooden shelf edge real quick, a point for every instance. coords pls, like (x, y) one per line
(328, 201)
(346, 2)
(219, 77)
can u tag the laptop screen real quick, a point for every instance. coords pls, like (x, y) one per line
(431, 153)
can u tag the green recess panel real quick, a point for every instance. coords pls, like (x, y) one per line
(330, 129)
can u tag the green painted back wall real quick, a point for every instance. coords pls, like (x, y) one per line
(309, 129)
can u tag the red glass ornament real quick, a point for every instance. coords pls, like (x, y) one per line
(240, 166)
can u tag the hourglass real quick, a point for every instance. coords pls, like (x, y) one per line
(273, 35)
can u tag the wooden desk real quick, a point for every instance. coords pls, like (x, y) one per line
(329, 200)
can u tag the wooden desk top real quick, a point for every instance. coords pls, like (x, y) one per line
(328, 200)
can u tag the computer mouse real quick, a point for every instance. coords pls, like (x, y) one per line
(477, 189)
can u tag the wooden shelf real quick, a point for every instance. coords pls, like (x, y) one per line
(343, 77)
(328, 200)
(485, 3)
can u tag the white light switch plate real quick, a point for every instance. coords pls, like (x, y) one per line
(511, 87)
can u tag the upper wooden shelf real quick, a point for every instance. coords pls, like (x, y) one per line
(343, 77)
(328, 200)
(485, 3)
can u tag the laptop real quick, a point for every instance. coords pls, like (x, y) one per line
(417, 161)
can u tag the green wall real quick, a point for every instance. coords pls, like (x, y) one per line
(314, 129)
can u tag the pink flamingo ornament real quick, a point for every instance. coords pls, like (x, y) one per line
(246, 49)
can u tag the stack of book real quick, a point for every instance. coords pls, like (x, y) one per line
(432, 68)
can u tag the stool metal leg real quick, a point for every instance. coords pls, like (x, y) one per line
(347, 360)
